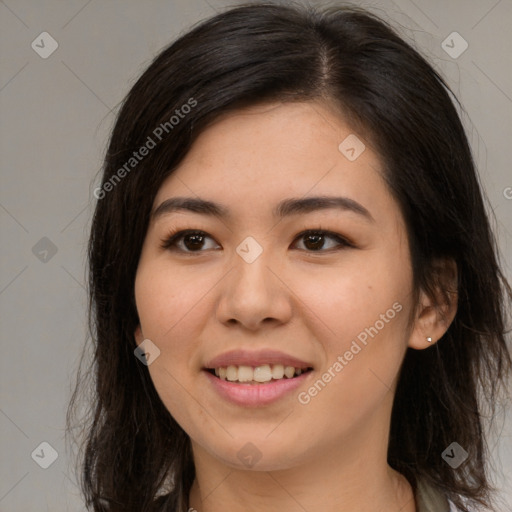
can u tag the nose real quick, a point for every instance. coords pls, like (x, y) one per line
(254, 295)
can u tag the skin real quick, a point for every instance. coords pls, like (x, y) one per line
(329, 454)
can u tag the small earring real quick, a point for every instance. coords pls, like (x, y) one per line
(429, 339)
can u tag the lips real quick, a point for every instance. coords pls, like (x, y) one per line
(255, 395)
(255, 358)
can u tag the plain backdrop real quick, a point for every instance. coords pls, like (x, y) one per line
(56, 112)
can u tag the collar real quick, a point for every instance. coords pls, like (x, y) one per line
(429, 499)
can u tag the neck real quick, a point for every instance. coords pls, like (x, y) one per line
(301, 489)
(351, 475)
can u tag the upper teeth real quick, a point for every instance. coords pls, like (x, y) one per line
(263, 373)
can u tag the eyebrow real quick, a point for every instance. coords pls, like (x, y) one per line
(285, 208)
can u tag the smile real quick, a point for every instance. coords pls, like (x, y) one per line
(258, 375)
(249, 392)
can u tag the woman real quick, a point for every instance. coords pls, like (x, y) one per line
(295, 296)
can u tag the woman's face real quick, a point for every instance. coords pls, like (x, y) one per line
(251, 282)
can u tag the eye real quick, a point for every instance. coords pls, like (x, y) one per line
(189, 240)
(321, 241)
(195, 241)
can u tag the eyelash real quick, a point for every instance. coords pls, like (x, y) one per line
(170, 242)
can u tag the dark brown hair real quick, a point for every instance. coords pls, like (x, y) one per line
(133, 450)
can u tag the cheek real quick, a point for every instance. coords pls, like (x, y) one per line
(168, 300)
(171, 305)
(359, 312)
(352, 296)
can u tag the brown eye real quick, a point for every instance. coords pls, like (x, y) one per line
(189, 241)
(322, 241)
(193, 242)
(314, 242)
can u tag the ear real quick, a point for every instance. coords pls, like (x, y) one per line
(436, 307)
(139, 338)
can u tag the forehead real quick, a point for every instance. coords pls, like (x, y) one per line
(283, 133)
(262, 154)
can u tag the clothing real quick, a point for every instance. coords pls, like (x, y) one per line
(432, 500)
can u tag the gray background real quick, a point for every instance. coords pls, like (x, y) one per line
(56, 114)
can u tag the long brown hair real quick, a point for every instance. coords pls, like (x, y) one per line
(132, 449)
